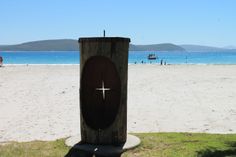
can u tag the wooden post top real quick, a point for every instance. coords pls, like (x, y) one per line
(103, 39)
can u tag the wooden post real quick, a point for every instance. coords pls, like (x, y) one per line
(103, 90)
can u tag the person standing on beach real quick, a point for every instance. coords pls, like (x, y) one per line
(1, 61)
(161, 62)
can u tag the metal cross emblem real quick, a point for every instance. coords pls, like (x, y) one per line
(103, 89)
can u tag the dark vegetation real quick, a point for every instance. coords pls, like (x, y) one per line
(72, 45)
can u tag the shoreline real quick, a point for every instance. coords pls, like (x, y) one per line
(189, 64)
(41, 102)
(38, 64)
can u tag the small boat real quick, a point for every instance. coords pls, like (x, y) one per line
(152, 57)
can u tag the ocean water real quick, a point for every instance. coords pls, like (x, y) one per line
(40, 57)
(186, 57)
(73, 57)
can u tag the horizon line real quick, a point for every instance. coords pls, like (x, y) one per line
(225, 47)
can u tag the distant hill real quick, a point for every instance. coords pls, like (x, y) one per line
(200, 48)
(230, 47)
(44, 45)
(72, 45)
(156, 47)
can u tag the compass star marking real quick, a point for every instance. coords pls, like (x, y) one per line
(103, 89)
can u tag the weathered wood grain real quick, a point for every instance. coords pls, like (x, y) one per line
(116, 49)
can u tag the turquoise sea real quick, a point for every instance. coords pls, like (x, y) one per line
(73, 57)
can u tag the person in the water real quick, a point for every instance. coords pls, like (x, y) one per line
(1, 61)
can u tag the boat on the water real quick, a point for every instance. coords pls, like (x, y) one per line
(152, 57)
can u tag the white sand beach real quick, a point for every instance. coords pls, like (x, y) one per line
(41, 102)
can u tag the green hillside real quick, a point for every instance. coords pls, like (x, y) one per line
(156, 47)
(44, 45)
(72, 45)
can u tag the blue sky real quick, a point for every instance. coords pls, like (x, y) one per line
(205, 22)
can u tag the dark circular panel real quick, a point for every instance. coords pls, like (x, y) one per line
(100, 91)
